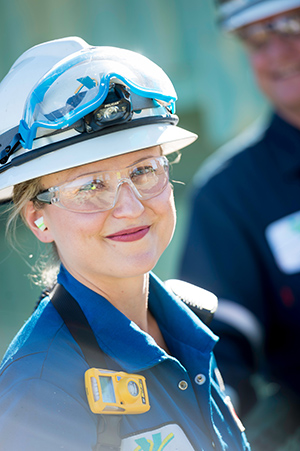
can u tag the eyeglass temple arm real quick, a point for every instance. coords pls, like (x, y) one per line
(44, 196)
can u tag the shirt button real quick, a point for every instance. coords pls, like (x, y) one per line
(200, 379)
(183, 385)
(213, 444)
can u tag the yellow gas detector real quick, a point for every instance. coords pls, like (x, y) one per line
(111, 392)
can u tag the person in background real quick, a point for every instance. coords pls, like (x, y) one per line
(111, 358)
(243, 236)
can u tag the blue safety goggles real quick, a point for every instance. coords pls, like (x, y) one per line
(97, 80)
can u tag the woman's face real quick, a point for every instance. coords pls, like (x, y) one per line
(124, 241)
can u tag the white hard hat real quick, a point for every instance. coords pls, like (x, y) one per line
(65, 103)
(234, 14)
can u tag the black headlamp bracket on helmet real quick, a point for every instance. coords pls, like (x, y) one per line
(116, 109)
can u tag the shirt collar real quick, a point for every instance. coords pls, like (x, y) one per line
(123, 340)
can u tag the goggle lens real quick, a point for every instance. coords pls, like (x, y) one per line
(98, 192)
(80, 83)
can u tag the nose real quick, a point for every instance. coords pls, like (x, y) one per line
(127, 204)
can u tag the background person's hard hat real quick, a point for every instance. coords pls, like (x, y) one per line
(234, 14)
(31, 85)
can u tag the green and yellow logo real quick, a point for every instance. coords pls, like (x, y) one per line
(156, 444)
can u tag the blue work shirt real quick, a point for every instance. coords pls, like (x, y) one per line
(43, 402)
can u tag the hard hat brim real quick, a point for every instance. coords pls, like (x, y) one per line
(256, 12)
(170, 137)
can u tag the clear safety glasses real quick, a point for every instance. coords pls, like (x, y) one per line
(96, 192)
(257, 36)
(80, 83)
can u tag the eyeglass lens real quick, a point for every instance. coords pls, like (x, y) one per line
(98, 192)
(257, 36)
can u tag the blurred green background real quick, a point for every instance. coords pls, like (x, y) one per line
(217, 99)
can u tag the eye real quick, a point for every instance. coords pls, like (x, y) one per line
(143, 171)
(93, 185)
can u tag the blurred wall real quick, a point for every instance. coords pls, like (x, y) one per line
(217, 97)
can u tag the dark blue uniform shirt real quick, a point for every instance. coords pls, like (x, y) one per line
(243, 244)
(43, 404)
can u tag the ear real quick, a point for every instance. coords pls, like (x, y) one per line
(33, 220)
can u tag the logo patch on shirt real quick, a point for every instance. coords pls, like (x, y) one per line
(169, 438)
(283, 237)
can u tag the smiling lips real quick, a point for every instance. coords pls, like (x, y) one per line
(134, 234)
(288, 72)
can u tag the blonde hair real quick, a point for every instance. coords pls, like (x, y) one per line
(45, 270)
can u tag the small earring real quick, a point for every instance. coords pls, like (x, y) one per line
(40, 224)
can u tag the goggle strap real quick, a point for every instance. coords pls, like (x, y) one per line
(141, 103)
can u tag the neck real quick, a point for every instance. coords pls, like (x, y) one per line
(130, 297)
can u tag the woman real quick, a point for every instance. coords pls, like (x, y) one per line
(87, 162)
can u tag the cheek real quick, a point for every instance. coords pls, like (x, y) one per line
(165, 207)
(259, 66)
(169, 223)
(172, 208)
(68, 228)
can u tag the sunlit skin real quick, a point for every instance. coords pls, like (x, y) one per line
(277, 70)
(87, 243)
